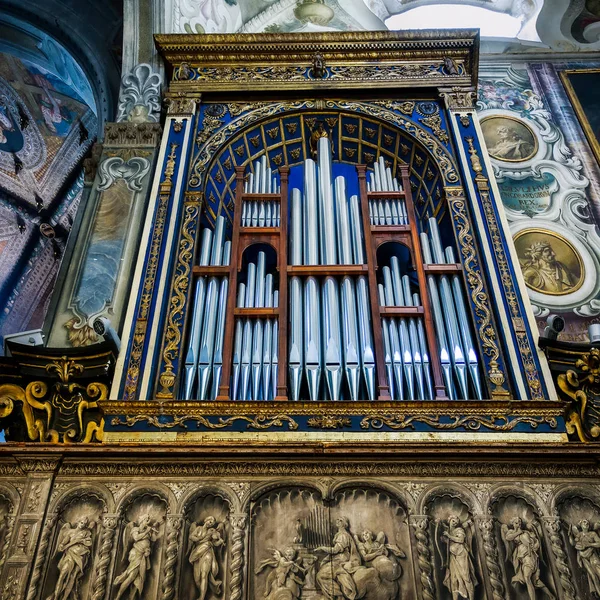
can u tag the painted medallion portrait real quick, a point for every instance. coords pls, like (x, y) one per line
(550, 263)
(509, 139)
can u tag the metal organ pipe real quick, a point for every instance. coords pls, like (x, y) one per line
(205, 350)
(296, 343)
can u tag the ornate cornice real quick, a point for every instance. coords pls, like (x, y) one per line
(328, 60)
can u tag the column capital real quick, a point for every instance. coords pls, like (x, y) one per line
(181, 104)
(458, 98)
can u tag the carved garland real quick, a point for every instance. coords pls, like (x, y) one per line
(485, 328)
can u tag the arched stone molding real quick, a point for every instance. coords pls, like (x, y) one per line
(454, 490)
(395, 489)
(208, 487)
(521, 491)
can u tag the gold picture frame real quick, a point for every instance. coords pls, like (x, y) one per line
(578, 107)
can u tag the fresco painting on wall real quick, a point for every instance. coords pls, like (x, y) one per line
(581, 86)
(545, 193)
(550, 263)
(509, 139)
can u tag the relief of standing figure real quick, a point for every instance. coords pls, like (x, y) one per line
(587, 545)
(75, 543)
(522, 543)
(460, 577)
(139, 537)
(206, 538)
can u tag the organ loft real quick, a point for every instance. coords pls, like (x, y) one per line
(317, 317)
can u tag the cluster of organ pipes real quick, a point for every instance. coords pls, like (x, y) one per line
(256, 339)
(331, 339)
(385, 211)
(204, 358)
(330, 348)
(406, 354)
(458, 356)
(261, 213)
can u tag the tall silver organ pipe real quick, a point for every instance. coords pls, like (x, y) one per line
(451, 314)
(275, 348)
(204, 357)
(237, 344)
(296, 342)
(330, 327)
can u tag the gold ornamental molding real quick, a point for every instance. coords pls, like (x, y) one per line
(236, 62)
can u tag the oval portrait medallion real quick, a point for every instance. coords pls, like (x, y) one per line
(509, 139)
(550, 263)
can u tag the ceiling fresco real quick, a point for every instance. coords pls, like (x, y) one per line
(543, 25)
(48, 121)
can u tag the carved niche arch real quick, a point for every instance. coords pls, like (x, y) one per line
(206, 544)
(506, 505)
(73, 527)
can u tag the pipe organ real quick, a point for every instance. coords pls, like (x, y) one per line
(352, 325)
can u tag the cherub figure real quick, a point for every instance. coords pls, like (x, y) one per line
(287, 574)
(137, 542)
(74, 543)
(587, 544)
(522, 543)
(460, 578)
(370, 547)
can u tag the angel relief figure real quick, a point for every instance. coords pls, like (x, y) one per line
(75, 545)
(522, 543)
(587, 544)
(286, 579)
(459, 578)
(205, 538)
(137, 545)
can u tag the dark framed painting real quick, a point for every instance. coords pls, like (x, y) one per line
(581, 86)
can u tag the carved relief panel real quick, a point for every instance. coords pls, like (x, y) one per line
(457, 571)
(138, 558)
(71, 538)
(522, 548)
(205, 553)
(356, 545)
(580, 525)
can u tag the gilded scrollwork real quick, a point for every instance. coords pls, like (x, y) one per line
(179, 291)
(253, 422)
(582, 386)
(66, 411)
(470, 422)
(484, 324)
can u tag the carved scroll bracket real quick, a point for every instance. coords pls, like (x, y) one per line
(458, 98)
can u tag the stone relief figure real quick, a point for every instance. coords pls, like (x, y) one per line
(286, 579)
(354, 567)
(138, 539)
(522, 543)
(587, 545)
(460, 577)
(204, 539)
(75, 545)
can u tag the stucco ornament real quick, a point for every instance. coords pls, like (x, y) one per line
(528, 151)
(140, 98)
